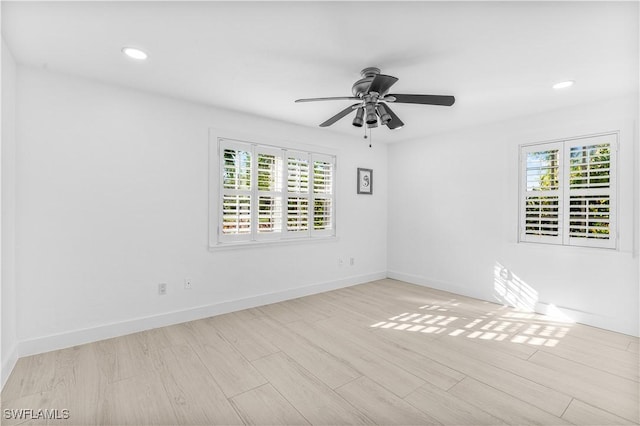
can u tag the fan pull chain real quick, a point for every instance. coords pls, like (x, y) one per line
(367, 137)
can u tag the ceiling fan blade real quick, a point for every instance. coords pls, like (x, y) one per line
(338, 98)
(395, 121)
(339, 115)
(382, 83)
(423, 99)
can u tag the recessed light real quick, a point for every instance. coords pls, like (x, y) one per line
(563, 84)
(134, 53)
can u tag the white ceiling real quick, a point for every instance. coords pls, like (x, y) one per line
(499, 59)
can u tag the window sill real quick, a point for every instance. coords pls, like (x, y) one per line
(550, 246)
(271, 243)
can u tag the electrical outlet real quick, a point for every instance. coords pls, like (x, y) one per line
(340, 262)
(187, 284)
(352, 261)
(162, 289)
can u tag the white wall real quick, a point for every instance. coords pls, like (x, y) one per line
(8, 314)
(112, 200)
(453, 217)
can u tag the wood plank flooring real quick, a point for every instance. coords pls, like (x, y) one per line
(385, 352)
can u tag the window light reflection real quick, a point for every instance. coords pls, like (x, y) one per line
(514, 327)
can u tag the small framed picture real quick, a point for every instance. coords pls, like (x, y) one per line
(365, 181)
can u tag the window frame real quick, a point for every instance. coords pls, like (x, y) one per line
(217, 239)
(565, 191)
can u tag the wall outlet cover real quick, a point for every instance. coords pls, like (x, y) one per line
(162, 289)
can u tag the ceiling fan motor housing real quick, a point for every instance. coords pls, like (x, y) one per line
(361, 86)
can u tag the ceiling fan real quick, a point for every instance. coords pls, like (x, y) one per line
(371, 92)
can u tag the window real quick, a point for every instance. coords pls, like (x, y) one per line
(272, 193)
(568, 192)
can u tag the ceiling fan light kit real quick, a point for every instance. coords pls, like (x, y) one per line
(371, 92)
(372, 118)
(384, 115)
(358, 121)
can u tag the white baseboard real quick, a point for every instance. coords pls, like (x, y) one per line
(93, 334)
(608, 323)
(106, 331)
(8, 362)
(435, 284)
(560, 312)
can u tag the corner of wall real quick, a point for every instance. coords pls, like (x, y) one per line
(9, 359)
(8, 313)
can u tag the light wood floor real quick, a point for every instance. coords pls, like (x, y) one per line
(384, 352)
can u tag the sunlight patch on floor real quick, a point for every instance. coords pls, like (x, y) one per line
(515, 327)
(515, 321)
(522, 333)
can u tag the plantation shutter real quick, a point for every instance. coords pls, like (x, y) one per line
(323, 194)
(235, 196)
(591, 199)
(271, 193)
(541, 193)
(568, 192)
(269, 182)
(298, 194)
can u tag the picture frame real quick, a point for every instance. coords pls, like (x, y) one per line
(365, 181)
